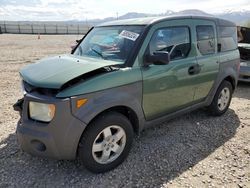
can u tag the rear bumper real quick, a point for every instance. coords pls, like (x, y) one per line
(57, 139)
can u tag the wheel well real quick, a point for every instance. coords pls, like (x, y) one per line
(231, 80)
(127, 112)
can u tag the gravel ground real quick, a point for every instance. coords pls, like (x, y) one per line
(195, 150)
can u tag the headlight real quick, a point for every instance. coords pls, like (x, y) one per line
(41, 112)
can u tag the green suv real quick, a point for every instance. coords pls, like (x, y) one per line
(122, 77)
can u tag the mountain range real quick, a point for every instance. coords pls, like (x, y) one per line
(240, 17)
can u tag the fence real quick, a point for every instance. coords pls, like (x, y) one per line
(44, 27)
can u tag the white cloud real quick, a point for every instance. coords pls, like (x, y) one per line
(86, 9)
(2, 13)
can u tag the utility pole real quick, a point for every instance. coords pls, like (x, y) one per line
(117, 15)
(5, 27)
(19, 30)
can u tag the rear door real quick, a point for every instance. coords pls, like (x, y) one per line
(207, 57)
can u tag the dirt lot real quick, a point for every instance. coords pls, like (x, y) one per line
(195, 150)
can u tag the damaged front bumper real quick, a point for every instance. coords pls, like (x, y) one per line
(57, 139)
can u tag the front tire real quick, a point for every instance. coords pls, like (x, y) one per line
(222, 99)
(106, 142)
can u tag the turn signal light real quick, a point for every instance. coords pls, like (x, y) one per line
(81, 102)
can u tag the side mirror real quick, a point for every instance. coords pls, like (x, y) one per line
(158, 58)
(73, 46)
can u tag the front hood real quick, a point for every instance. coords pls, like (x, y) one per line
(244, 45)
(53, 72)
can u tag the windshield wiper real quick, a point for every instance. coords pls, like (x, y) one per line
(99, 53)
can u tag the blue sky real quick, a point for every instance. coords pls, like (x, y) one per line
(59, 10)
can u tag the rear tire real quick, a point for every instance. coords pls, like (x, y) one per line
(222, 99)
(106, 142)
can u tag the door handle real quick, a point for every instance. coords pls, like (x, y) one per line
(191, 70)
(194, 69)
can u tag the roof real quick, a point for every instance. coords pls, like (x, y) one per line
(151, 20)
(133, 21)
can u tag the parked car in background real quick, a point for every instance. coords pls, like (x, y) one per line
(244, 48)
(122, 77)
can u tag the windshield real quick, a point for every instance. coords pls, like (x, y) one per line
(110, 43)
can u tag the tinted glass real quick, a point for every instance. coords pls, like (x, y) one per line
(174, 40)
(205, 39)
(227, 38)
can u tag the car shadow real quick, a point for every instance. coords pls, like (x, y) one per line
(159, 155)
(243, 90)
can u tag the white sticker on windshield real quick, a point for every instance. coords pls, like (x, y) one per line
(129, 35)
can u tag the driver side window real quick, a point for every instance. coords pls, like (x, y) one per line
(174, 40)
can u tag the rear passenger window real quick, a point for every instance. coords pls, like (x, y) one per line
(227, 38)
(174, 40)
(205, 39)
